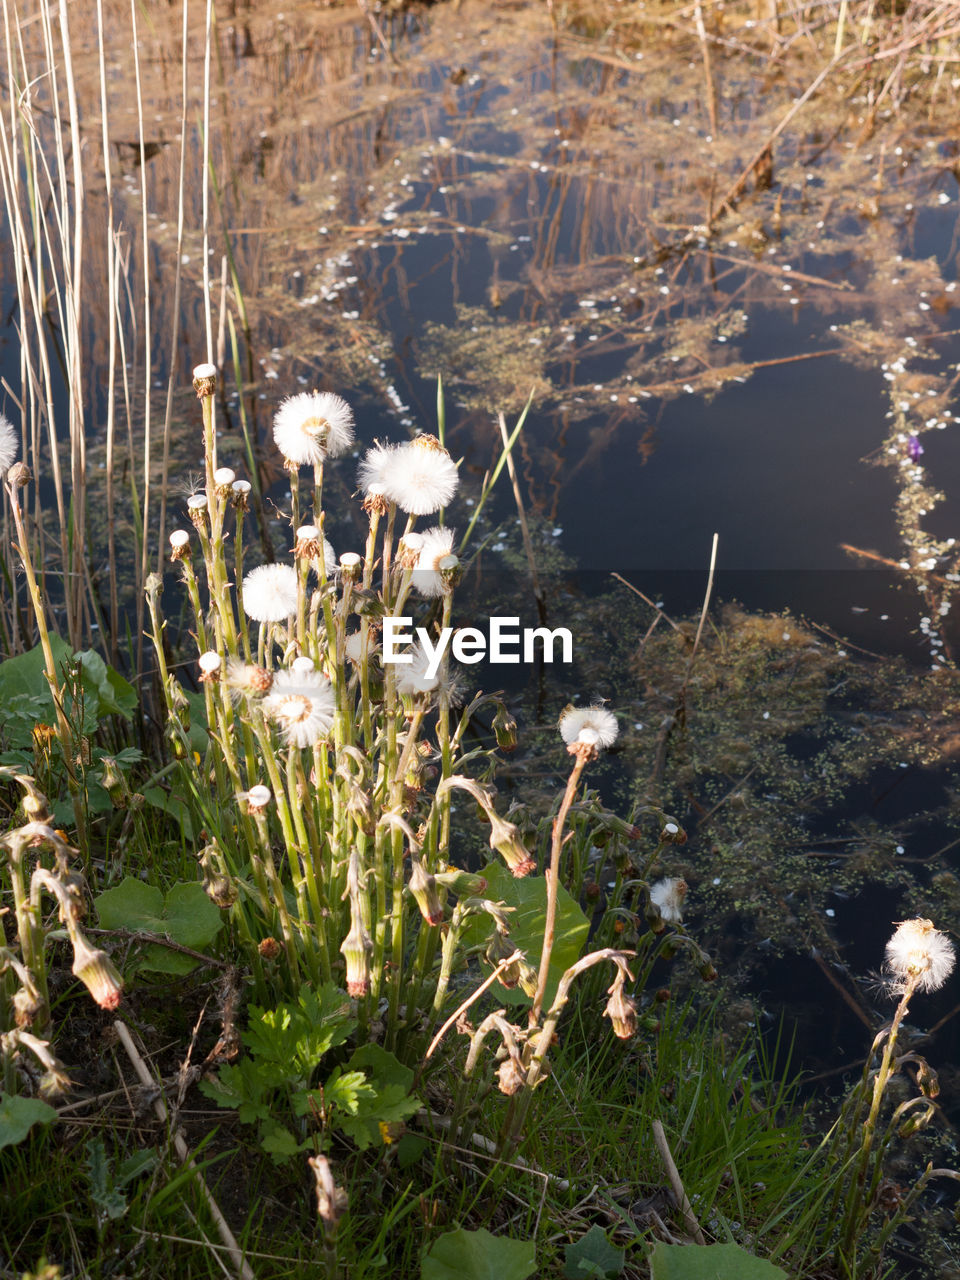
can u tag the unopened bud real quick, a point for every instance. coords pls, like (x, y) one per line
(463, 883)
(423, 886)
(505, 838)
(356, 949)
(96, 971)
(505, 728)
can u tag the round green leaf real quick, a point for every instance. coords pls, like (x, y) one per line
(477, 1255)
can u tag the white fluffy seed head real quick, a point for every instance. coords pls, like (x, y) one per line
(9, 443)
(373, 470)
(205, 371)
(919, 956)
(197, 502)
(270, 593)
(209, 662)
(436, 546)
(412, 676)
(303, 705)
(421, 478)
(594, 726)
(179, 538)
(312, 426)
(302, 663)
(224, 477)
(668, 895)
(241, 487)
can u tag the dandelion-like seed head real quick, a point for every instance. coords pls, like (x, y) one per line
(224, 477)
(9, 443)
(919, 956)
(432, 575)
(422, 477)
(668, 895)
(302, 663)
(373, 470)
(412, 677)
(248, 680)
(303, 705)
(592, 726)
(270, 593)
(312, 426)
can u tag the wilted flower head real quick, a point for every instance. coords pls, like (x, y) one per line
(436, 546)
(270, 593)
(9, 443)
(308, 547)
(592, 726)
(302, 703)
(919, 956)
(421, 477)
(312, 426)
(668, 895)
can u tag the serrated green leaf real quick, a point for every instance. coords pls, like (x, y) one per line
(280, 1144)
(528, 896)
(349, 1091)
(245, 1087)
(710, 1262)
(592, 1255)
(478, 1255)
(18, 1115)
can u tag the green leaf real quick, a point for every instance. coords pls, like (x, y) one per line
(709, 1262)
(409, 1149)
(348, 1091)
(592, 1255)
(103, 1192)
(245, 1087)
(280, 1144)
(186, 916)
(26, 698)
(112, 694)
(18, 1115)
(477, 1255)
(528, 896)
(381, 1066)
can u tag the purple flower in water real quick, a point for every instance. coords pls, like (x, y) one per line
(914, 448)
